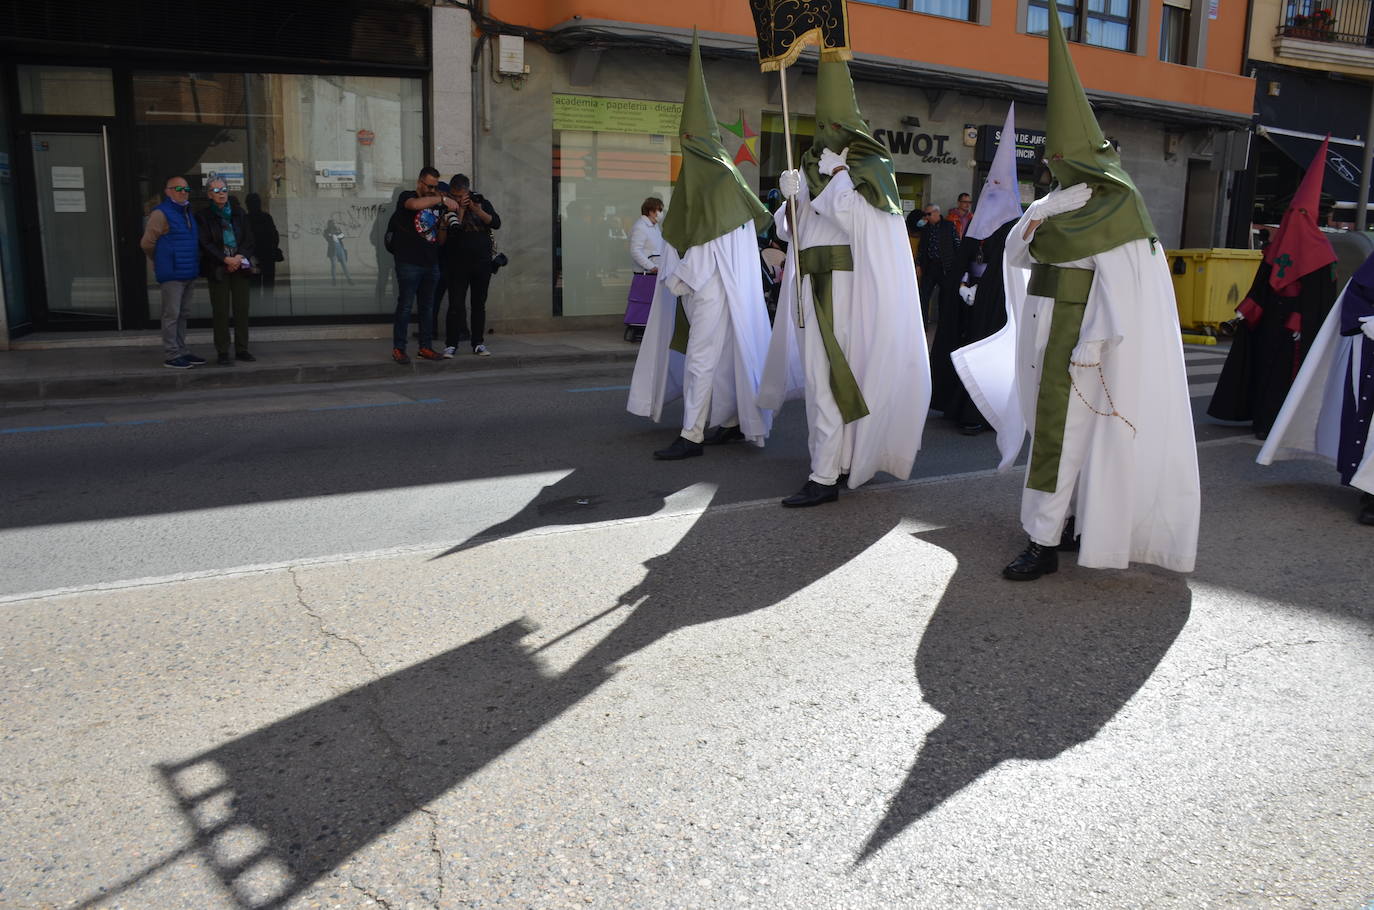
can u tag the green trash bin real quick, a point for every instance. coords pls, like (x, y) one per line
(1210, 284)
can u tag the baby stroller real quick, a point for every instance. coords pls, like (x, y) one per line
(637, 306)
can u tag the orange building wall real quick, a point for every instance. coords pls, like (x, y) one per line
(996, 47)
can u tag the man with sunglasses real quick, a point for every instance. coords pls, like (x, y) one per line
(171, 241)
(418, 230)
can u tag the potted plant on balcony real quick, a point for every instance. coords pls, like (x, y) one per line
(1318, 25)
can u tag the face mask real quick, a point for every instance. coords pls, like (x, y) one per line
(921, 223)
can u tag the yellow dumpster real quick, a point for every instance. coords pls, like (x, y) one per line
(1210, 284)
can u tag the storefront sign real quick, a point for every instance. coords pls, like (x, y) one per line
(68, 178)
(1212, 8)
(1030, 144)
(336, 173)
(616, 115)
(231, 172)
(931, 148)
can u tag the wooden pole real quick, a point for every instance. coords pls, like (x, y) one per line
(793, 210)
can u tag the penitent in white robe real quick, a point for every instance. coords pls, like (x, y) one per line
(718, 377)
(1310, 420)
(877, 315)
(1135, 475)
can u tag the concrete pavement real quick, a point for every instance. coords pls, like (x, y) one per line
(716, 706)
(64, 366)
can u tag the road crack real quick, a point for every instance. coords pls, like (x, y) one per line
(1226, 659)
(399, 755)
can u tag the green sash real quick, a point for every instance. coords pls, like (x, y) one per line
(1069, 290)
(819, 262)
(681, 327)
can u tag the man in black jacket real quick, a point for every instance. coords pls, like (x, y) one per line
(939, 247)
(226, 261)
(467, 257)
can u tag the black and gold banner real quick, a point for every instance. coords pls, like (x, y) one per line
(785, 27)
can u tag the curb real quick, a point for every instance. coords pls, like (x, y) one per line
(137, 384)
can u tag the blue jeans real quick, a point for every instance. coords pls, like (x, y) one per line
(416, 285)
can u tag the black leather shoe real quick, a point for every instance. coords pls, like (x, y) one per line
(681, 448)
(842, 480)
(224, 360)
(245, 357)
(721, 435)
(812, 494)
(1033, 562)
(1068, 541)
(1366, 509)
(972, 429)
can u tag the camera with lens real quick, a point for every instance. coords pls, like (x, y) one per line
(498, 261)
(452, 220)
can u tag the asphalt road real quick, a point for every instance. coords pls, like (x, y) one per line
(563, 675)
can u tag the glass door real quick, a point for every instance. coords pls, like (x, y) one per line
(71, 171)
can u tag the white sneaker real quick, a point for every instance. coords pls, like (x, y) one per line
(449, 352)
(481, 351)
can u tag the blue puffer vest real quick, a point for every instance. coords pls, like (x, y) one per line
(177, 257)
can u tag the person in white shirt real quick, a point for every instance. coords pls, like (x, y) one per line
(645, 239)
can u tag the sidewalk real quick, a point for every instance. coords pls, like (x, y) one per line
(57, 366)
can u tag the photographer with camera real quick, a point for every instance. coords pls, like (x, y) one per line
(468, 265)
(416, 232)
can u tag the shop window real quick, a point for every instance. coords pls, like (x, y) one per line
(303, 154)
(1103, 23)
(609, 155)
(68, 91)
(11, 263)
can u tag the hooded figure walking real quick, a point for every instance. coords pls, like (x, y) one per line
(865, 372)
(707, 333)
(1099, 376)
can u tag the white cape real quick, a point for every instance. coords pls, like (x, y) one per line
(657, 377)
(1310, 420)
(1138, 494)
(877, 322)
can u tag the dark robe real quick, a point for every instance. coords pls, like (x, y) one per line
(1357, 404)
(1264, 357)
(970, 323)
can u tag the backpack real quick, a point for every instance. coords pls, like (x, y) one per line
(397, 223)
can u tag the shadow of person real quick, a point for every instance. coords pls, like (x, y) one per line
(279, 808)
(386, 266)
(1026, 671)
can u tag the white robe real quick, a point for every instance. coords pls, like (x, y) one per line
(719, 375)
(1310, 420)
(1137, 491)
(877, 316)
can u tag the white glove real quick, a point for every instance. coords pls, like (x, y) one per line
(1367, 326)
(1087, 354)
(831, 162)
(1060, 201)
(967, 293)
(789, 184)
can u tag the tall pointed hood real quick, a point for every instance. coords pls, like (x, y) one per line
(1299, 247)
(839, 125)
(1000, 200)
(710, 198)
(1077, 152)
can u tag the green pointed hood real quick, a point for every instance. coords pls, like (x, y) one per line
(1077, 152)
(710, 198)
(839, 125)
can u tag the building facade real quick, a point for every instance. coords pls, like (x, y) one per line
(565, 114)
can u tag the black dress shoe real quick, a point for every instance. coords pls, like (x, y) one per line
(245, 357)
(1034, 561)
(1366, 509)
(1068, 541)
(681, 448)
(224, 360)
(842, 480)
(972, 429)
(812, 494)
(721, 435)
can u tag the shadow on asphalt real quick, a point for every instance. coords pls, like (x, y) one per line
(1026, 670)
(314, 788)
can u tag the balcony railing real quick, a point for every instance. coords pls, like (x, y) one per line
(1340, 21)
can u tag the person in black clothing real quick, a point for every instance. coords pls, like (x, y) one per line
(939, 243)
(468, 265)
(226, 261)
(418, 231)
(981, 313)
(267, 242)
